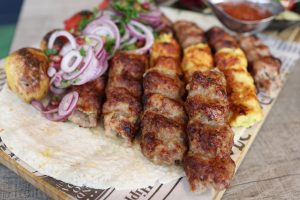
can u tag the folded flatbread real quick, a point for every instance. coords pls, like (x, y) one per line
(75, 155)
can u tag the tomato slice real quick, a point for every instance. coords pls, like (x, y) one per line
(72, 22)
(104, 4)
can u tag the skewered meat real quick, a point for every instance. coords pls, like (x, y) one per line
(163, 123)
(188, 33)
(123, 105)
(244, 106)
(210, 138)
(91, 97)
(264, 67)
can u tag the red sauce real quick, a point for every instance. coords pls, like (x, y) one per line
(245, 11)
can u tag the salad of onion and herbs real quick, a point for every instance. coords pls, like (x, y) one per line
(90, 39)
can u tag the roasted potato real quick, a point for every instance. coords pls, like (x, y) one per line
(26, 71)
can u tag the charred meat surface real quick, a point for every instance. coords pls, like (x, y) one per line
(91, 97)
(210, 138)
(163, 138)
(264, 67)
(123, 106)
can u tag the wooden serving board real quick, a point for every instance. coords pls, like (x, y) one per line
(178, 189)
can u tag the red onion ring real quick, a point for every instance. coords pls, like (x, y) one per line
(95, 69)
(51, 71)
(87, 60)
(134, 32)
(68, 65)
(57, 91)
(66, 49)
(148, 36)
(104, 22)
(68, 103)
(98, 43)
(66, 34)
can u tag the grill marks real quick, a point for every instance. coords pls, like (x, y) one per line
(123, 107)
(210, 138)
(164, 119)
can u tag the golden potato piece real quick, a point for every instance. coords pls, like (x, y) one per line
(26, 71)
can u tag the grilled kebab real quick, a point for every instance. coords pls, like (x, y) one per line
(123, 106)
(210, 138)
(264, 67)
(163, 121)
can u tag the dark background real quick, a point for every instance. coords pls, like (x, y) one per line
(9, 13)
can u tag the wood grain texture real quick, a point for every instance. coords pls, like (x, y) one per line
(271, 169)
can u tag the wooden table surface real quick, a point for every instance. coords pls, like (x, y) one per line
(271, 169)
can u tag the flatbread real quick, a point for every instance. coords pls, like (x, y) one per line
(79, 156)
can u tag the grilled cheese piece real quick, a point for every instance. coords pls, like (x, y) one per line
(163, 138)
(244, 106)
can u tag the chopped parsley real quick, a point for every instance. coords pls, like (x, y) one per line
(82, 52)
(65, 83)
(85, 21)
(49, 52)
(127, 8)
(75, 81)
(55, 98)
(88, 40)
(129, 47)
(109, 44)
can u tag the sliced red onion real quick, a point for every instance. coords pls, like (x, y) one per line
(57, 34)
(68, 103)
(71, 61)
(57, 91)
(134, 32)
(40, 107)
(51, 71)
(95, 69)
(55, 117)
(148, 36)
(152, 18)
(97, 43)
(66, 49)
(126, 35)
(87, 60)
(106, 27)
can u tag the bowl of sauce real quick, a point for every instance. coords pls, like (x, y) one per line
(250, 16)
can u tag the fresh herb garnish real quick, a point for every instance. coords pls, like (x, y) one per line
(155, 34)
(55, 98)
(129, 47)
(65, 83)
(82, 52)
(75, 81)
(109, 44)
(49, 52)
(85, 21)
(127, 8)
(88, 40)
(121, 27)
